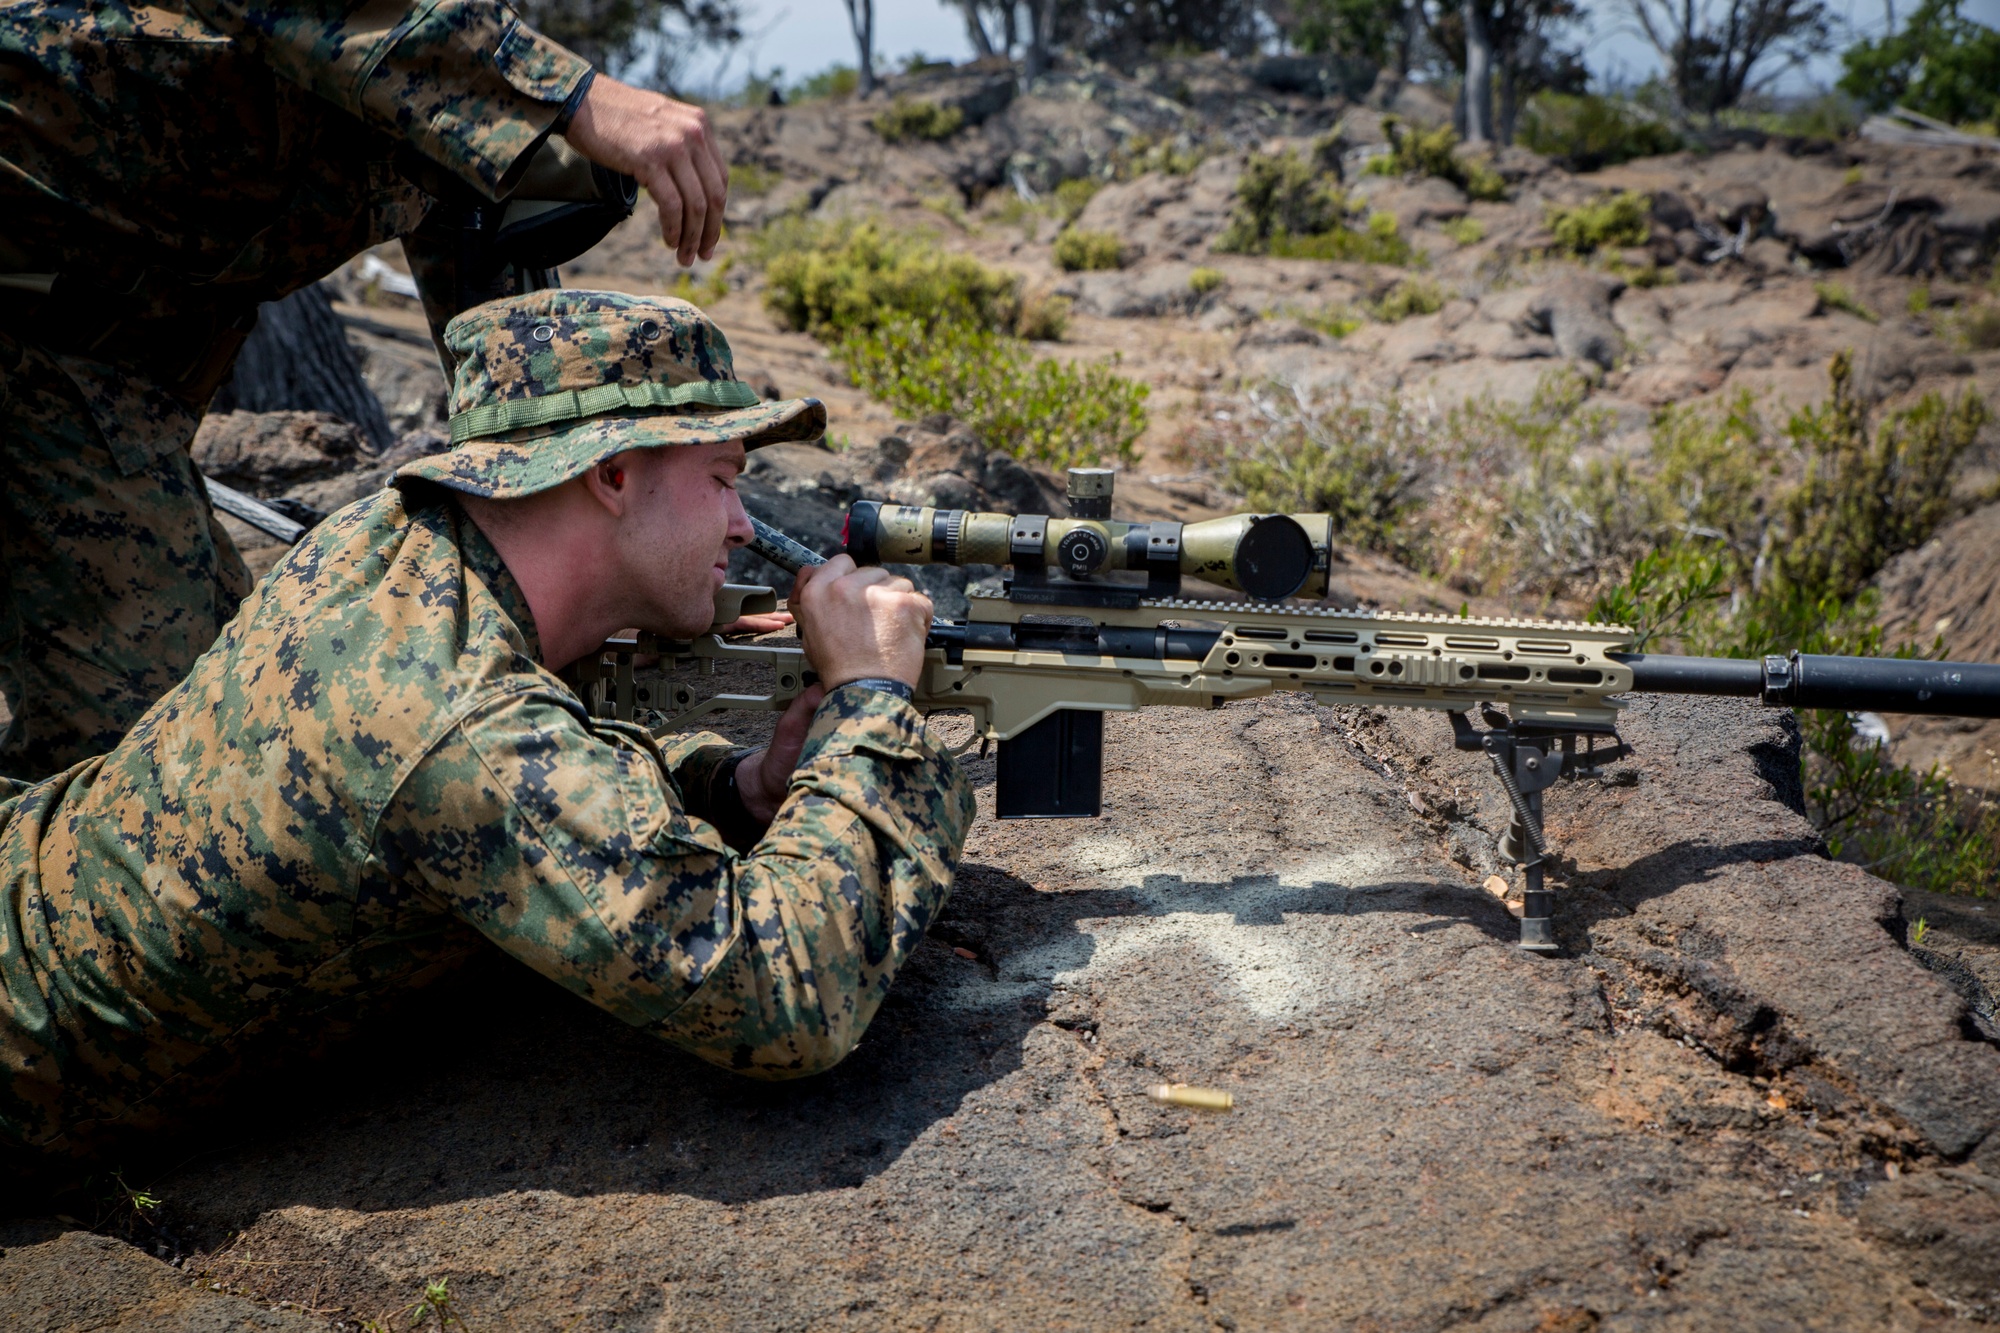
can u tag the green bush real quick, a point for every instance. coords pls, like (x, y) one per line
(908, 118)
(1870, 492)
(1941, 64)
(1088, 250)
(1281, 194)
(1466, 230)
(752, 178)
(1068, 200)
(1977, 326)
(1414, 152)
(1043, 410)
(1586, 132)
(1609, 221)
(1364, 464)
(1377, 243)
(835, 81)
(1411, 296)
(1290, 207)
(1836, 296)
(1205, 280)
(1044, 317)
(835, 279)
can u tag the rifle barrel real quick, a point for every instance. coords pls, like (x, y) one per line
(1809, 680)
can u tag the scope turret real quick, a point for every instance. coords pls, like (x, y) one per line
(1267, 556)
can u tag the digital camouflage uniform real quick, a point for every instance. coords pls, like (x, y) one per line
(370, 770)
(173, 165)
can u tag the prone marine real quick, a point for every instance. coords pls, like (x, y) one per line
(377, 765)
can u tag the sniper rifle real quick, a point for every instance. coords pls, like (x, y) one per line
(1093, 618)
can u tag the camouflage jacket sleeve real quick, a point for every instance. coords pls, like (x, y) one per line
(466, 82)
(568, 844)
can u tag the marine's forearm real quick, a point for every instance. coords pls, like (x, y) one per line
(835, 896)
(466, 82)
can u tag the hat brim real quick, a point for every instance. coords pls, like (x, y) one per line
(528, 462)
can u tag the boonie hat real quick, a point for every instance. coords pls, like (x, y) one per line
(552, 383)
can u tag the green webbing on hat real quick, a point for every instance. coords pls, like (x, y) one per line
(577, 404)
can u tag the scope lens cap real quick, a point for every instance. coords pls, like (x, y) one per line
(1273, 558)
(860, 532)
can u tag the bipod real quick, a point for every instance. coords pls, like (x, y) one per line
(1528, 757)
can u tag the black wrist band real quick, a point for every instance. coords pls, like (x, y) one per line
(573, 101)
(900, 689)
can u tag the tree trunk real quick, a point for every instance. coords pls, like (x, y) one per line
(861, 18)
(1478, 75)
(1510, 86)
(1041, 24)
(1413, 18)
(298, 359)
(975, 31)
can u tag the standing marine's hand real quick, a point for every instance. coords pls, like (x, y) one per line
(668, 147)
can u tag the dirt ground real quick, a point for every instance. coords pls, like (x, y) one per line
(1736, 1100)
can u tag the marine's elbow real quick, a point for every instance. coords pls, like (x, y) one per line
(799, 1059)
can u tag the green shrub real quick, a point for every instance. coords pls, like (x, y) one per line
(1141, 153)
(751, 179)
(1205, 280)
(1465, 230)
(1587, 132)
(1870, 492)
(1835, 296)
(835, 81)
(1068, 200)
(1941, 64)
(1609, 221)
(1279, 195)
(1414, 152)
(1364, 464)
(1411, 296)
(1044, 317)
(1977, 326)
(1377, 243)
(1088, 250)
(1039, 409)
(908, 118)
(835, 279)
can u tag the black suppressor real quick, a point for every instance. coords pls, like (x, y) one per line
(1851, 684)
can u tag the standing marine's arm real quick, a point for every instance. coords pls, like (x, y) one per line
(568, 844)
(466, 82)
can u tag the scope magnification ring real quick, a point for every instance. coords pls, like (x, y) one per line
(1082, 552)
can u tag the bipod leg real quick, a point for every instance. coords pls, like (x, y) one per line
(1538, 901)
(1524, 768)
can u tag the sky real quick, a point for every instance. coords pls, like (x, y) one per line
(802, 37)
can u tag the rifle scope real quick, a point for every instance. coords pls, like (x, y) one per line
(1267, 556)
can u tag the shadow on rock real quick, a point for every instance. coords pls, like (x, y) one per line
(500, 1082)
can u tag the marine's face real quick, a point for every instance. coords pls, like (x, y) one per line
(676, 537)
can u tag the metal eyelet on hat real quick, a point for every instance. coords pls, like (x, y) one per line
(544, 332)
(650, 330)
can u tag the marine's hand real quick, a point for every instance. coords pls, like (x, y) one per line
(769, 622)
(761, 779)
(858, 623)
(669, 148)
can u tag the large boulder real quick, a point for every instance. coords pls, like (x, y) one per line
(1575, 310)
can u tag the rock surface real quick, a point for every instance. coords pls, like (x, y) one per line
(1737, 1100)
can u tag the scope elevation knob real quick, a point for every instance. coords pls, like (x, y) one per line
(1089, 492)
(1082, 552)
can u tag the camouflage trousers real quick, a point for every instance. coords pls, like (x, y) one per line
(112, 582)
